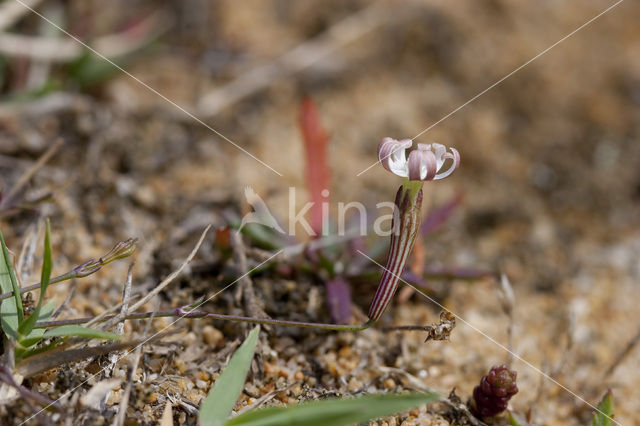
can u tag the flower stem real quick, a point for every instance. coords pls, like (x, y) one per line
(183, 313)
(119, 251)
(405, 228)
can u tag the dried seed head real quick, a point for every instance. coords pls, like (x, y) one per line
(119, 251)
(424, 163)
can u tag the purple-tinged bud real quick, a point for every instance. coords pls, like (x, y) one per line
(492, 395)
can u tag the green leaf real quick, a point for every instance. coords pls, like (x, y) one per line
(26, 326)
(22, 354)
(11, 311)
(89, 70)
(604, 415)
(48, 87)
(512, 419)
(25, 342)
(333, 412)
(225, 392)
(79, 331)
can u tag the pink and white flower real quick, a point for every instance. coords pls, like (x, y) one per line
(424, 163)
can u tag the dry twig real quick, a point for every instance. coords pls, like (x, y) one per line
(124, 402)
(633, 342)
(460, 413)
(245, 287)
(28, 174)
(124, 305)
(24, 265)
(171, 276)
(508, 303)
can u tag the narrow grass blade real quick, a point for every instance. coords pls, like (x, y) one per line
(79, 331)
(216, 408)
(333, 412)
(39, 361)
(26, 326)
(605, 411)
(35, 335)
(512, 420)
(11, 311)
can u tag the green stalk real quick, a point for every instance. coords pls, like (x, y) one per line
(12, 277)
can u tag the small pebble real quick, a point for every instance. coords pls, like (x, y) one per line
(389, 383)
(212, 336)
(354, 384)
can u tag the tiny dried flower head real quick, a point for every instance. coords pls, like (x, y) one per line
(424, 163)
(119, 251)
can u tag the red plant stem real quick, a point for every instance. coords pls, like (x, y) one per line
(317, 167)
(403, 236)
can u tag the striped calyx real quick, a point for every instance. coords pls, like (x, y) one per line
(406, 225)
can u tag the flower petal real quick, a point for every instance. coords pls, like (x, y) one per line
(422, 164)
(439, 151)
(392, 155)
(455, 157)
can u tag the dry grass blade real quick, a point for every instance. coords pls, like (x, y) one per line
(633, 342)
(101, 317)
(171, 276)
(47, 360)
(26, 176)
(167, 415)
(508, 302)
(26, 258)
(124, 305)
(96, 396)
(460, 413)
(119, 251)
(124, 402)
(245, 285)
